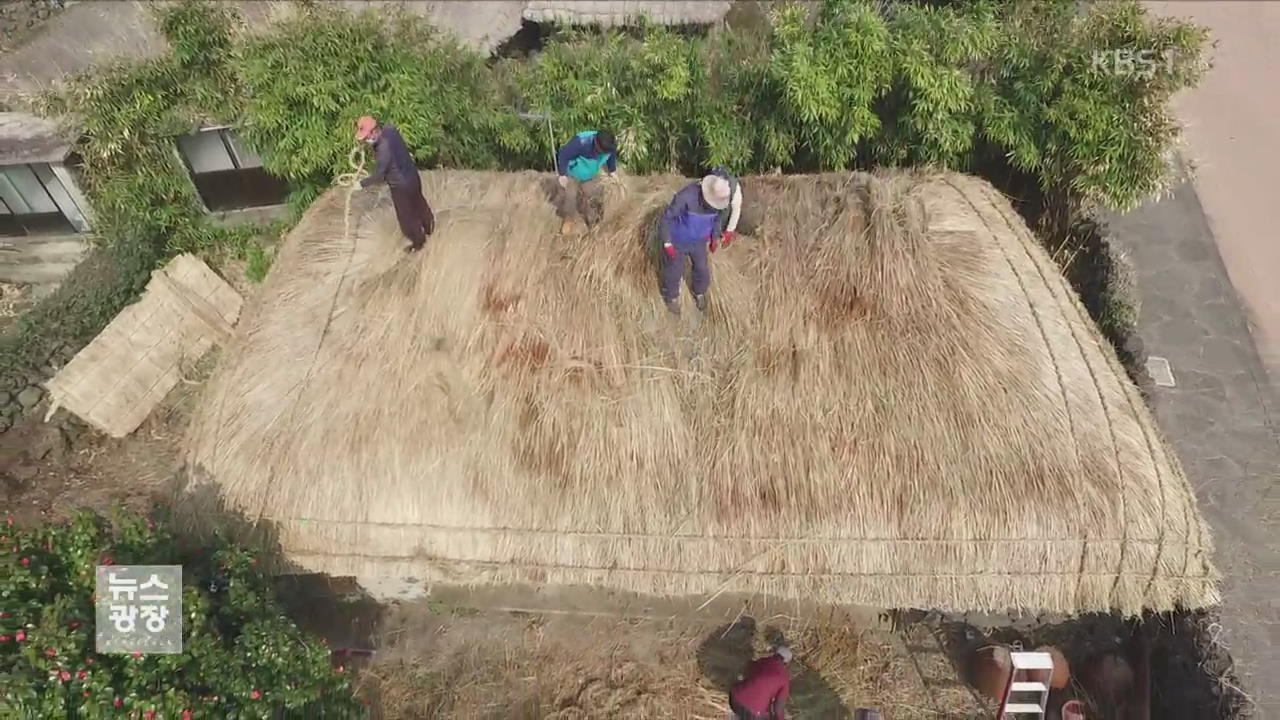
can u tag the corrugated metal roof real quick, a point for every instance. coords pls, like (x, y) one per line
(622, 12)
(27, 138)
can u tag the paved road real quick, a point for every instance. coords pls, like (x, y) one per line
(1207, 260)
(1233, 142)
(1220, 418)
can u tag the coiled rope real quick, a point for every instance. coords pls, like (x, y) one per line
(351, 181)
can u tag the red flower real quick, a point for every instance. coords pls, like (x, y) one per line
(20, 636)
(64, 676)
(50, 652)
(118, 703)
(25, 562)
(255, 694)
(82, 675)
(86, 693)
(186, 715)
(4, 638)
(137, 655)
(150, 715)
(108, 561)
(4, 616)
(340, 669)
(9, 521)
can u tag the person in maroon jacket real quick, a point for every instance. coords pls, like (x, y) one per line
(396, 169)
(765, 686)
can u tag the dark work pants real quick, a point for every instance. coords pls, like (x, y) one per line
(741, 713)
(585, 200)
(673, 271)
(413, 213)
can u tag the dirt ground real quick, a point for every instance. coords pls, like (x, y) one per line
(436, 661)
(49, 470)
(13, 300)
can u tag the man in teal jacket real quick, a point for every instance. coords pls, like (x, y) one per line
(579, 163)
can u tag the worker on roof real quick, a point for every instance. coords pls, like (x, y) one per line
(690, 225)
(727, 222)
(396, 169)
(765, 686)
(579, 163)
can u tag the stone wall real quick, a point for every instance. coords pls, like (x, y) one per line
(20, 19)
(20, 393)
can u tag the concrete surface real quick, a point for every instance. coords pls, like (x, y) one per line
(480, 24)
(249, 216)
(620, 12)
(25, 138)
(1233, 141)
(1220, 419)
(41, 261)
(80, 36)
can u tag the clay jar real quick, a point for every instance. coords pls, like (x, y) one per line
(989, 668)
(1061, 669)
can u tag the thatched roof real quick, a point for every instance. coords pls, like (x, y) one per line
(895, 401)
(115, 382)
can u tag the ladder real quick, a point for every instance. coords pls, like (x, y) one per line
(1023, 696)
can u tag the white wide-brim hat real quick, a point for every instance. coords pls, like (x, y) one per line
(715, 190)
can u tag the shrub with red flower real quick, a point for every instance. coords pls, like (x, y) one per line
(237, 641)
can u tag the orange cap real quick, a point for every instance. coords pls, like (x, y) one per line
(365, 126)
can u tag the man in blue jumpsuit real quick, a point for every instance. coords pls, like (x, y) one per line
(689, 224)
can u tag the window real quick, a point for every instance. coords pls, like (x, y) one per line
(227, 174)
(34, 199)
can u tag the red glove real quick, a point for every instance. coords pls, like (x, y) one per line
(669, 250)
(727, 238)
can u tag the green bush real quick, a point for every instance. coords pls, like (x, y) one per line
(308, 80)
(259, 263)
(242, 658)
(642, 90)
(1061, 106)
(862, 84)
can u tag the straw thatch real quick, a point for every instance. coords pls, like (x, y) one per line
(895, 400)
(118, 379)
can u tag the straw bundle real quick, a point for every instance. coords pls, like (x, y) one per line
(894, 400)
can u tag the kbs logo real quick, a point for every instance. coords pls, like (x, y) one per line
(1137, 63)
